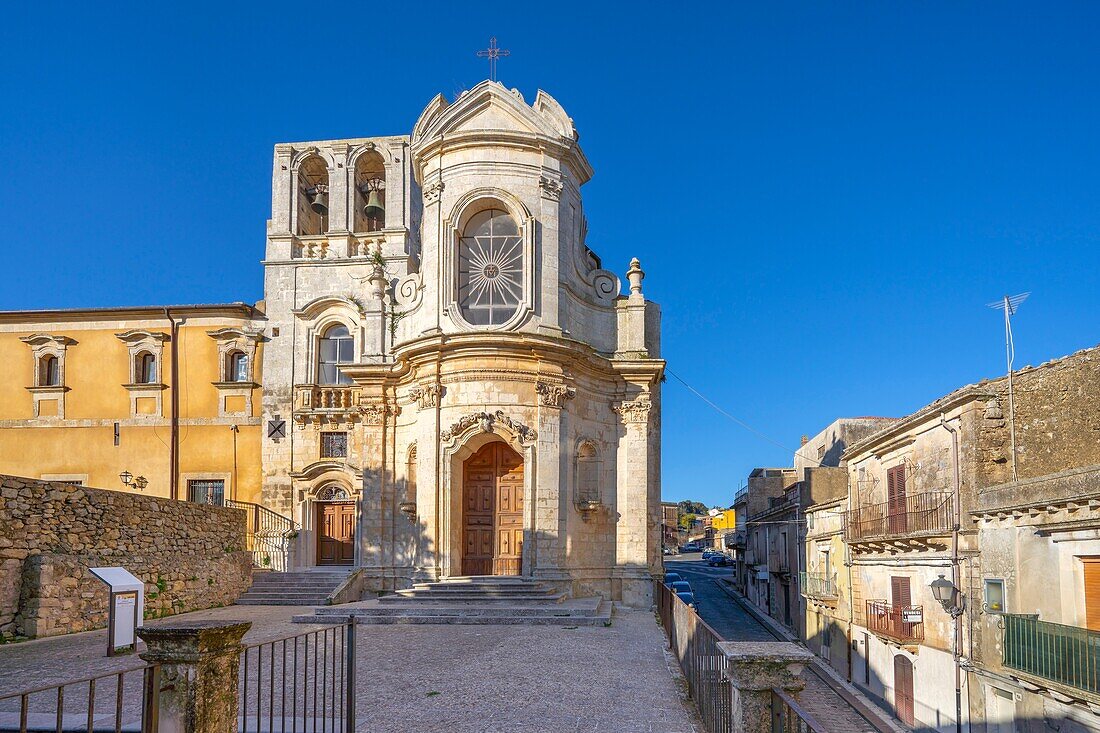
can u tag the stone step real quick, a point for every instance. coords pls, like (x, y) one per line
(487, 587)
(406, 601)
(399, 597)
(292, 589)
(583, 612)
(312, 601)
(579, 607)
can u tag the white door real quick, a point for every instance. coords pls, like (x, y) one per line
(1000, 711)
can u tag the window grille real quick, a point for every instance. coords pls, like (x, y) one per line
(334, 445)
(206, 491)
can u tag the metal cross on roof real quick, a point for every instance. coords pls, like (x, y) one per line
(493, 53)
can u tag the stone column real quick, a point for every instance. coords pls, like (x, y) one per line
(551, 488)
(755, 668)
(199, 665)
(632, 536)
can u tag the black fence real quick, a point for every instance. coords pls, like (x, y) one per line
(300, 684)
(117, 701)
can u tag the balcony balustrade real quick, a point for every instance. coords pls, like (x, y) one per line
(1066, 655)
(907, 516)
(903, 624)
(818, 585)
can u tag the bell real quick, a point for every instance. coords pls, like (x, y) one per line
(319, 201)
(374, 208)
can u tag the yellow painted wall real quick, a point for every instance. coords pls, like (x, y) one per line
(727, 520)
(96, 368)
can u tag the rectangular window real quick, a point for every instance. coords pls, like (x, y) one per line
(899, 592)
(334, 445)
(206, 491)
(994, 595)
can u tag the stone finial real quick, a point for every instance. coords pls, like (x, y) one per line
(635, 276)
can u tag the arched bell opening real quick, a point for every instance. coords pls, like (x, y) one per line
(313, 202)
(370, 193)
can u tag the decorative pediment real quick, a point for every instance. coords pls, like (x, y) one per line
(236, 334)
(40, 340)
(317, 469)
(318, 306)
(139, 336)
(489, 422)
(490, 106)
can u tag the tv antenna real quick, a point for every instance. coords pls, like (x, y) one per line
(1010, 304)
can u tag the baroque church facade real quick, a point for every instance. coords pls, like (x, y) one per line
(464, 387)
(442, 379)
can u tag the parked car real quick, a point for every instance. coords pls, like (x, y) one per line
(680, 586)
(669, 551)
(718, 560)
(690, 547)
(672, 578)
(689, 598)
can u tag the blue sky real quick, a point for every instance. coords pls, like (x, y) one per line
(824, 196)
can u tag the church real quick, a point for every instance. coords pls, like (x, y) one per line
(442, 379)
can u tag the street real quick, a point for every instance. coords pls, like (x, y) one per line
(732, 622)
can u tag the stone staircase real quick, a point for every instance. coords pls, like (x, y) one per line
(301, 588)
(470, 600)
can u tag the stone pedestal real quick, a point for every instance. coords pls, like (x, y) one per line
(199, 665)
(756, 668)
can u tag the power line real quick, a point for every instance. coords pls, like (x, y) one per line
(738, 421)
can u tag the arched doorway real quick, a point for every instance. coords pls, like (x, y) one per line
(335, 526)
(492, 511)
(903, 689)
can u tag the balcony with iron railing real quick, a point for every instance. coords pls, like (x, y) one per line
(903, 624)
(818, 585)
(1050, 652)
(908, 516)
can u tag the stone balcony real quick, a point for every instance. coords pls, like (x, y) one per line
(327, 404)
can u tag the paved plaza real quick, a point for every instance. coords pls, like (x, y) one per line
(461, 679)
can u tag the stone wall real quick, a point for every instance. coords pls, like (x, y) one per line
(1057, 420)
(191, 556)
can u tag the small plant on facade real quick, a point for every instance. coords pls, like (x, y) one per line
(266, 561)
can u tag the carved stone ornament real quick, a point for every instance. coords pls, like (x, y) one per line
(433, 191)
(634, 411)
(374, 413)
(551, 187)
(426, 395)
(487, 421)
(554, 395)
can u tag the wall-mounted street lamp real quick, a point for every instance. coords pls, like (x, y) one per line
(139, 482)
(947, 594)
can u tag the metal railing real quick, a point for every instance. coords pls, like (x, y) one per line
(695, 646)
(1068, 655)
(268, 535)
(115, 701)
(899, 623)
(301, 683)
(915, 514)
(789, 717)
(817, 585)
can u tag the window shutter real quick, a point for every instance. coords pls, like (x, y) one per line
(899, 592)
(1092, 592)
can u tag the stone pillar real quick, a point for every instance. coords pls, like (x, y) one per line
(551, 486)
(755, 668)
(199, 665)
(632, 504)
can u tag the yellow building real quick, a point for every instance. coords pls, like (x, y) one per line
(724, 521)
(161, 400)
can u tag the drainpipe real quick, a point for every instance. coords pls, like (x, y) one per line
(174, 441)
(955, 574)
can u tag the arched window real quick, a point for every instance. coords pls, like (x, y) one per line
(490, 268)
(145, 368)
(49, 371)
(312, 197)
(237, 367)
(587, 490)
(336, 347)
(333, 493)
(370, 193)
